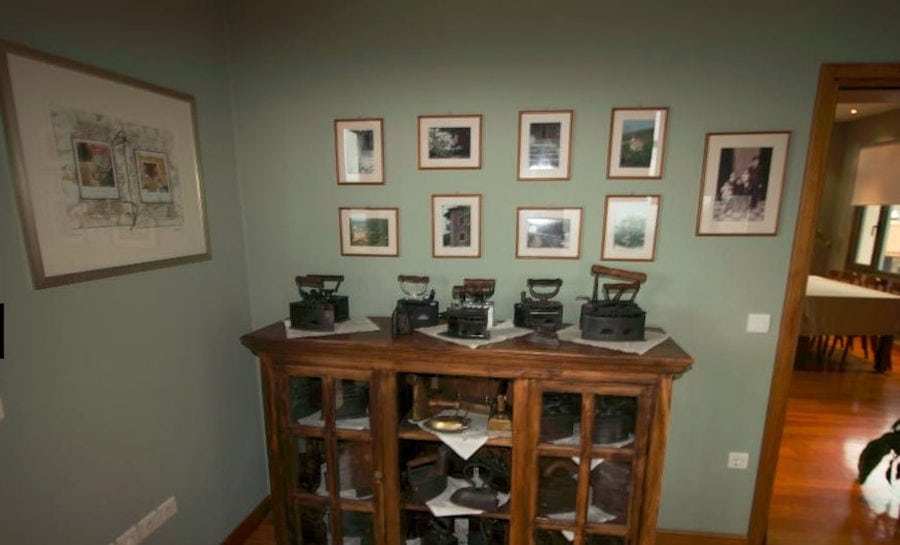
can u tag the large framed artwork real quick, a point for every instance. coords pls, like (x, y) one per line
(369, 231)
(545, 145)
(637, 139)
(548, 233)
(449, 141)
(456, 225)
(359, 151)
(742, 183)
(106, 169)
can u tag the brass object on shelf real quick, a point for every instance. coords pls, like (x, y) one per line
(453, 423)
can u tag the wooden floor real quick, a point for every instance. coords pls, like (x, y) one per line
(831, 416)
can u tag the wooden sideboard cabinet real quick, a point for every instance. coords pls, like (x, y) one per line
(581, 462)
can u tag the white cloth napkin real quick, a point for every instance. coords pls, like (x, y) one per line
(499, 333)
(356, 324)
(651, 339)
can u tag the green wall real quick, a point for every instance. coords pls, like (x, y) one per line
(122, 392)
(719, 66)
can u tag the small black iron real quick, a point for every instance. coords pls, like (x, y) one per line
(471, 315)
(417, 309)
(539, 313)
(319, 307)
(614, 318)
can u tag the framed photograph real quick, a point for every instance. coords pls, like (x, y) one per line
(548, 232)
(106, 169)
(629, 231)
(743, 177)
(359, 150)
(545, 145)
(456, 225)
(449, 141)
(369, 231)
(637, 140)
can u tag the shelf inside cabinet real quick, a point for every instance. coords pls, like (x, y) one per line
(501, 514)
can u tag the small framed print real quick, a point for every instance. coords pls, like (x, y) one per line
(548, 233)
(153, 173)
(743, 178)
(95, 169)
(369, 231)
(456, 225)
(629, 231)
(359, 148)
(545, 145)
(637, 142)
(450, 141)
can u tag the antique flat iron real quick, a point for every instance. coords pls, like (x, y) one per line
(426, 476)
(616, 317)
(319, 308)
(480, 494)
(500, 418)
(539, 313)
(471, 314)
(417, 309)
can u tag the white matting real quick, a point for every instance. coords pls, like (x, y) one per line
(356, 324)
(651, 338)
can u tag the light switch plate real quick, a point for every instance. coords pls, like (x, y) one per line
(758, 323)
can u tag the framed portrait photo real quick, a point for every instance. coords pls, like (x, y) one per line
(637, 140)
(106, 169)
(449, 141)
(359, 151)
(545, 145)
(629, 230)
(548, 233)
(369, 231)
(456, 225)
(741, 187)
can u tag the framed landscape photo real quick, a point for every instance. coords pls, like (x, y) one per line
(741, 187)
(637, 139)
(106, 169)
(545, 145)
(369, 231)
(456, 225)
(359, 150)
(449, 141)
(629, 230)
(548, 233)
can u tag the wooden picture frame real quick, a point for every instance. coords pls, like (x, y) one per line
(545, 145)
(369, 231)
(631, 223)
(637, 140)
(742, 183)
(450, 142)
(359, 151)
(106, 169)
(456, 226)
(551, 232)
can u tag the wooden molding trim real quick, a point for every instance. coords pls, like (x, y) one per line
(832, 77)
(681, 537)
(247, 526)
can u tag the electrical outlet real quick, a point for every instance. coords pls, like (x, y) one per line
(758, 323)
(167, 509)
(130, 537)
(738, 460)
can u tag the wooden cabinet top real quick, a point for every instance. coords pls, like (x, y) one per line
(423, 354)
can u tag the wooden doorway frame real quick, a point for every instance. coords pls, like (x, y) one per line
(832, 78)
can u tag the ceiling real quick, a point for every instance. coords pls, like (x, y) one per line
(866, 102)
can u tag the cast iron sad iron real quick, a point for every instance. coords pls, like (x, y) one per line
(471, 315)
(319, 308)
(539, 313)
(616, 317)
(417, 309)
(480, 495)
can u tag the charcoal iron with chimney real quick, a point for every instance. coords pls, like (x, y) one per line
(615, 317)
(319, 307)
(471, 314)
(417, 309)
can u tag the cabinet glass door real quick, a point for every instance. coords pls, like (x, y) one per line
(328, 438)
(591, 444)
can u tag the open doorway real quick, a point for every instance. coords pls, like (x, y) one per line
(833, 79)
